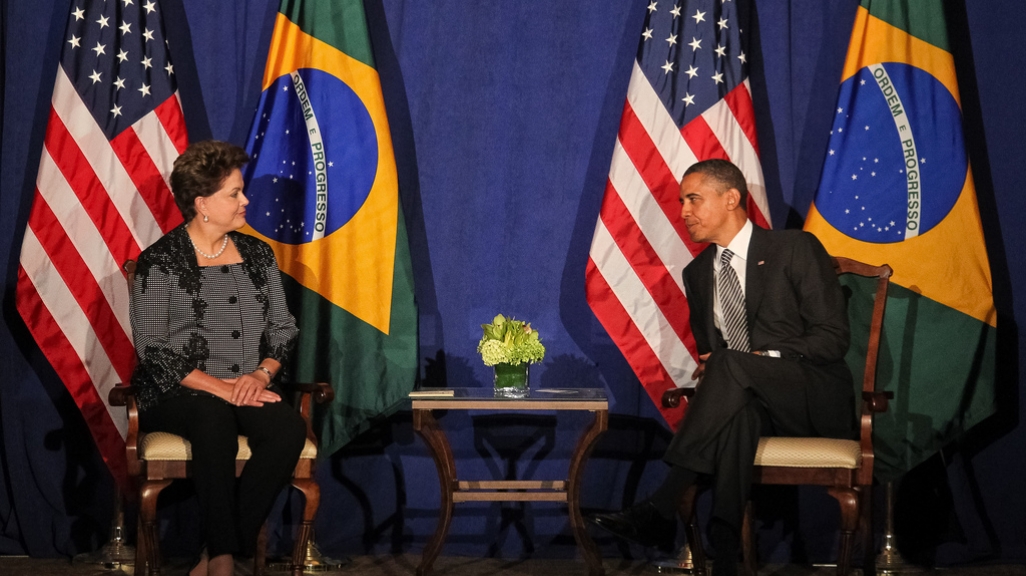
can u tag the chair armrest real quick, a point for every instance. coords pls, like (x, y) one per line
(124, 395)
(876, 402)
(321, 392)
(119, 394)
(671, 398)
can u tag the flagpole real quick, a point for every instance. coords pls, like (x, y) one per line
(682, 564)
(889, 561)
(115, 553)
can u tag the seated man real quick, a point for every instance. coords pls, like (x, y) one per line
(771, 328)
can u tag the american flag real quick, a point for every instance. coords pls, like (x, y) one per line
(114, 130)
(688, 100)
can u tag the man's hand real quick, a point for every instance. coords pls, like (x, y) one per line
(700, 371)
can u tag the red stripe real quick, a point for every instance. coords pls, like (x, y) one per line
(94, 198)
(62, 357)
(739, 100)
(661, 182)
(702, 140)
(642, 359)
(755, 214)
(83, 286)
(147, 179)
(170, 115)
(648, 266)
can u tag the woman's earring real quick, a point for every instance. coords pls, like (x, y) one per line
(206, 218)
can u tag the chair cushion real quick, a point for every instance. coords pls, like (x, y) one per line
(167, 446)
(808, 453)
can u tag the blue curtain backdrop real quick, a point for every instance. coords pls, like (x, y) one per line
(504, 116)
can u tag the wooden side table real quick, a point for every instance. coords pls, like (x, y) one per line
(454, 490)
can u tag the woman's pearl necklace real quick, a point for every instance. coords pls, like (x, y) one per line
(224, 244)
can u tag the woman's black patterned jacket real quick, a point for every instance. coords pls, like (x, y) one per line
(222, 320)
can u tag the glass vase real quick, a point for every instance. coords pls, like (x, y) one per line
(511, 380)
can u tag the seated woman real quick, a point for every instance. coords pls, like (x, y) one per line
(212, 331)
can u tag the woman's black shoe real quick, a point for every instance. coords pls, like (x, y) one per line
(641, 524)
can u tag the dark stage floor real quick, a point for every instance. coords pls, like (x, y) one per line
(455, 566)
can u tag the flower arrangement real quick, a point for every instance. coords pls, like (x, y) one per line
(509, 341)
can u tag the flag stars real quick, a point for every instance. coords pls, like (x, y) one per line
(892, 222)
(695, 44)
(831, 152)
(722, 23)
(922, 160)
(847, 211)
(122, 55)
(103, 22)
(119, 83)
(675, 11)
(116, 110)
(99, 49)
(854, 176)
(127, 3)
(75, 41)
(652, 7)
(839, 110)
(150, 6)
(718, 77)
(873, 173)
(148, 34)
(170, 69)
(126, 28)
(721, 51)
(672, 40)
(79, 14)
(699, 16)
(144, 90)
(147, 63)
(688, 99)
(691, 71)
(647, 34)
(668, 67)
(95, 76)
(743, 58)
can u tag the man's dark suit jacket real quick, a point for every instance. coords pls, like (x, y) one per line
(795, 305)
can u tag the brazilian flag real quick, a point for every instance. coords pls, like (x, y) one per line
(897, 188)
(323, 193)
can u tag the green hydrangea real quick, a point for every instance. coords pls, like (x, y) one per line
(510, 341)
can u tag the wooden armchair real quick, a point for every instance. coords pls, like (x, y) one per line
(156, 459)
(845, 467)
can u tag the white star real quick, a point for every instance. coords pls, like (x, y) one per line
(652, 7)
(331, 164)
(691, 72)
(876, 160)
(742, 58)
(856, 196)
(120, 83)
(688, 99)
(78, 14)
(722, 23)
(145, 90)
(170, 69)
(839, 110)
(831, 152)
(150, 7)
(922, 160)
(839, 130)
(95, 76)
(668, 67)
(672, 39)
(854, 177)
(867, 128)
(862, 83)
(863, 159)
(103, 22)
(75, 41)
(126, 28)
(147, 63)
(675, 11)
(718, 77)
(846, 211)
(721, 51)
(892, 222)
(695, 44)
(872, 173)
(122, 56)
(284, 88)
(116, 110)
(99, 49)
(148, 34)
(127, 2)
(647, 34)
(699, 16)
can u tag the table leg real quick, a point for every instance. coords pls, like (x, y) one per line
(426, 425)
(584, 447)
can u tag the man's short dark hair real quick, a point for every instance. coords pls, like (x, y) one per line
(201, 170)
(724, 172)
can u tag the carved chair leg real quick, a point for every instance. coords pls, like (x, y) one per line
(312, 499)
(748, 540)
(686, 510)
(848, 499)
(866, 529)
(147, 560)
(260, 557)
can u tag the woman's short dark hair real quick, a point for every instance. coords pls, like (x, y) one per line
(201, 170)
(725, 172)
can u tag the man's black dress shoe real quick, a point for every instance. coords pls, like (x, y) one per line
(641, 524)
